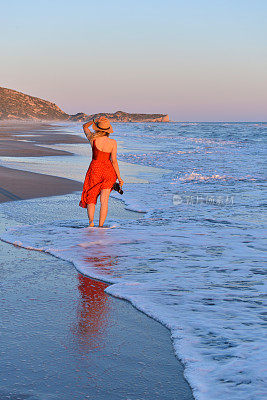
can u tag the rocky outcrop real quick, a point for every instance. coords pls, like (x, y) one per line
(80, 117)
(121, 116)
(20, 106)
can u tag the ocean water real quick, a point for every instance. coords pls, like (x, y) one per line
(194, 259)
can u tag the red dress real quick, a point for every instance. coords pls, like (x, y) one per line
(100, 175)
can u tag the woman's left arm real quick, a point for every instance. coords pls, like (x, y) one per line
(87, 131)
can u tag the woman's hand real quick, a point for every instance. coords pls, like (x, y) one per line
(121, 182)
(89, 123)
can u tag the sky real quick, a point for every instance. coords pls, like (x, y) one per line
(196, 60)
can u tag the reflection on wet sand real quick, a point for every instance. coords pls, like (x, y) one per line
(92, 319)
(92, 313)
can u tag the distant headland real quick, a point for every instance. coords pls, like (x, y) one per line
(19, 106)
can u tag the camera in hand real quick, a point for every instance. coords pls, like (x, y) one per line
(117, 188)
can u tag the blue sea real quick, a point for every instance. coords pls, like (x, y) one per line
(193, 259)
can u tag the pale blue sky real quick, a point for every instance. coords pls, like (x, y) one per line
(201, 60)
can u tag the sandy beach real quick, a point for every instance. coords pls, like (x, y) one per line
(63, 336)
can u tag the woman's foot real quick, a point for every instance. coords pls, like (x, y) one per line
(91, 224)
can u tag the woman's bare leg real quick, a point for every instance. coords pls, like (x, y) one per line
(104, 196)
(91, 213)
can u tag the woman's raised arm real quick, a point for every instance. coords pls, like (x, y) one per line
(87, 131)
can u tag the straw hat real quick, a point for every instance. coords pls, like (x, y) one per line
(102, 124)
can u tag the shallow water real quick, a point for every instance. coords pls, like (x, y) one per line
(194, 260)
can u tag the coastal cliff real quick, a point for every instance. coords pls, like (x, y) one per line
(19, 106)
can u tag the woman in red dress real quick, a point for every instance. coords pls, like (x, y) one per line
(103, 170)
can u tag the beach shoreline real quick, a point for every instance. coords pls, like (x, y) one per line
(154, 378)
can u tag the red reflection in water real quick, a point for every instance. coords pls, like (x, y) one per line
(92, 312)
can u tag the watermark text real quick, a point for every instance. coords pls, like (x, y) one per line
(218, 200)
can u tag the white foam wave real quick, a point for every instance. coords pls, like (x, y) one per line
(197, 177)
(212, 309)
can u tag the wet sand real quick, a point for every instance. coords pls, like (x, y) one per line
(63, 337)
(20, 185)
